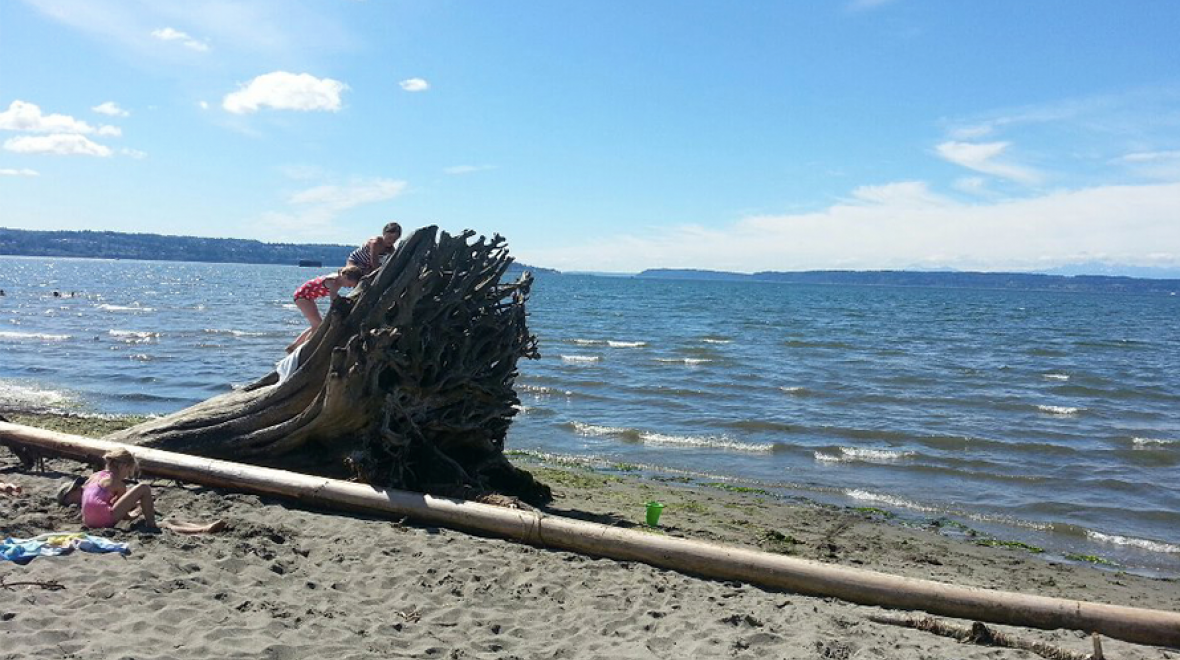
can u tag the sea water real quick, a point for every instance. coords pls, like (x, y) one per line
(1044, 417)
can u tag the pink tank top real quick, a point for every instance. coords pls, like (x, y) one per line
(97, 501)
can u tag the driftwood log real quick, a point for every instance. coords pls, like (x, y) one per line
(408, 382)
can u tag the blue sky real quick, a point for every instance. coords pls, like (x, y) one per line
(609, 135)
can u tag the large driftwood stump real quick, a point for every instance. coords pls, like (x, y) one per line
(408, 382)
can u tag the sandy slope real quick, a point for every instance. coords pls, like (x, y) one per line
(285, 582)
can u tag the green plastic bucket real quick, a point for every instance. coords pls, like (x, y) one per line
(653, 513)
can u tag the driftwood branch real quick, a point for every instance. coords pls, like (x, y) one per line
(977, 633)
(50, 585)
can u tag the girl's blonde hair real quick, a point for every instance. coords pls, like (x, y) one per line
(121, 456)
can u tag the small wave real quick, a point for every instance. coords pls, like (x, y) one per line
(141, 357)
(688, 361)
(711, 340)
(717, 442)
(890, 500)
(1055, 376)
(235, 333)
(1141, 443)
(37, 336)
(650, 437)
(21, 397)
(587, 342)
(134, 337)
(795, 390)
(862, 455)
(581, 359)
(1142, 544)
(626, 344)
(125, 308)
(1062, 411)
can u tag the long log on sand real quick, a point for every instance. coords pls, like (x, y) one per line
(711, 560)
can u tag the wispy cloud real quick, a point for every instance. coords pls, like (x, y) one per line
(414, 85)
(61, 144)
(312, 213)
(281, 90)
(24, 171)
(985, 157)
(111, 109)
(467, 169)
(171, 34)
(882, 227)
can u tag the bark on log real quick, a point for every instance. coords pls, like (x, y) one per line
(1141, 626)
(408, 381)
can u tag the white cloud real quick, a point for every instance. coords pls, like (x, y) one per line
(204, 105)
(286, 91)
(170, 34)
(133, 153)
(21, 172)
(982, 157)
(973, 185)
(1127, 224)
(110, 131)
(62, 144)
(111, 109)
(467, 169)
(1149, 156)
(24, 116)
(414, 85)
(903, 194)
(313, 212)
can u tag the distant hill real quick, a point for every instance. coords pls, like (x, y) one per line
(155, 247)
(1026, 281)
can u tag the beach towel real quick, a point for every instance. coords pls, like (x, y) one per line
(55, 544)
(288, 365)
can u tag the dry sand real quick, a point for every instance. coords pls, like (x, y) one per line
(287, 582)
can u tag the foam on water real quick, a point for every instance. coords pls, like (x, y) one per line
(23, 397)
(581, 359)
(890, 500)
(709, 340)
(863, 455)
(795, 390)
(670, 440)
(1062, 411)
(587, 342)
(1142, 544)
(34, 336)
(1055, 376)
(626, 344)
(688, 361)
(124, 308)
(134, 337)
(1145, 443)
(236, 333)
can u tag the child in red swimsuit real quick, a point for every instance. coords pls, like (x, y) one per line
(325, 285)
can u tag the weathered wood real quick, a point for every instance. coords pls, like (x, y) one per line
(1131, 624)
(408, 382)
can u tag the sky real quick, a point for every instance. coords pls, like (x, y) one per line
(610, 136)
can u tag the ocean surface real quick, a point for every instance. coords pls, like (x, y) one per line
(1052, 419)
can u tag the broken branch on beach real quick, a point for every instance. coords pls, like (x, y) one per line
(1142, 626)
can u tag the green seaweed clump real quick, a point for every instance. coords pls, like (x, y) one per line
(734, 488)
(1012, 545)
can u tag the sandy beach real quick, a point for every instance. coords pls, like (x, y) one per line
(288, 582)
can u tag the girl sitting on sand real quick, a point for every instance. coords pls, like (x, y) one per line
(106, 500)
(325, 285)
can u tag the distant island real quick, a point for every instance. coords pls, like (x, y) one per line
(156, 247)
(949, 279)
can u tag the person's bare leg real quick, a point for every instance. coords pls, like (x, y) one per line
(139, 495)
(194, 528)
(311, 312)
